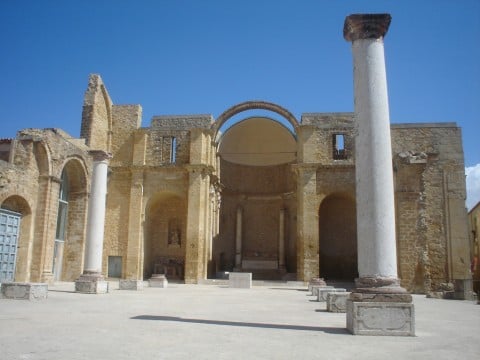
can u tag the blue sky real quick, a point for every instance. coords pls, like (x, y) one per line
(180, 57)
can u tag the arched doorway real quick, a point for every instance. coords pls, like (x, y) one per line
(71, 222)
(257, 214)
(338, 238)
(15, 239)
(165, 236)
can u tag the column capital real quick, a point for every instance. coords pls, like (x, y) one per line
(366, 26)
(100, 155)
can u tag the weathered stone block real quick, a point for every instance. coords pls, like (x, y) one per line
(128, 284)
(158, 280)
(337, 302)
(240, 280)
(91, 284)
(316, 288)
(317, 282)
(24, 291)
(380, 318)
(322, 293)
(88, 286)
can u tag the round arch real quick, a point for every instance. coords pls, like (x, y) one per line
(71, 219)
(164, 238)
(18, 204)
(338, 237)
(43, 158)
(252, 105)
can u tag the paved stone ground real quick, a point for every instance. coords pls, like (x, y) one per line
(216, 322)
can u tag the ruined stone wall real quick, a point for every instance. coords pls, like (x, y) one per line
(430, 200)
(32, 177)
(96, 115)
(474, 227)
(125, 120)
(117, 217)
(316, 138)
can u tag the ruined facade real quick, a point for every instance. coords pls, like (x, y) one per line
(474, 227)
(193, 197)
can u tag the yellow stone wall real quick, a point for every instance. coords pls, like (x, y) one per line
(171, 171)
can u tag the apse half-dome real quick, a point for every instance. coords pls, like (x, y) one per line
(258, 141)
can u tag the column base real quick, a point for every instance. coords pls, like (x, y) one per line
(240, 280)
(24, 291)
(379, 306)
(91, 284)
(158, 280)
(129, 284)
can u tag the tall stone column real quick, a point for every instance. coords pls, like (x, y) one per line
(378, 305)
(92, 280)
(238, 239)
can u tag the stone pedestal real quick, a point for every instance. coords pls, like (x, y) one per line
(323, 293)
(380, 313)
(91, 284)
(317, 288)
(380, 318)
(240, 280)
(337, 302)
(158, 281)
(24, 291)
(129, 284)
(317, 282)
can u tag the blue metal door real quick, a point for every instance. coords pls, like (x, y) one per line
(9, 229)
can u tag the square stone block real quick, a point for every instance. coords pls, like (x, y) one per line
(240, 280)
(24, 291)
(158, 281)
(126, 284)
(380, 318)
(322, 293)
(337, 302)
(88, 286)
(316, 288)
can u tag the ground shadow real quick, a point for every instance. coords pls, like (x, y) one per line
(291, 289)
(328, 330)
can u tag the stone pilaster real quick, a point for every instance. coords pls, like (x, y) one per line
(281, 239)
(92, 280)
(307, 222)
(378, 282)
(195, 237)
(238, 238)
(48, 219)
(134, 269)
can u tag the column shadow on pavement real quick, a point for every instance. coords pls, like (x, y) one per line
(325, 329)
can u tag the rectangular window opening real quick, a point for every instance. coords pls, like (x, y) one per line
(339, 151)
(173, 150)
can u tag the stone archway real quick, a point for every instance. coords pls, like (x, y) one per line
(74, 210)
(257, 224)
(19, 205)
(338, 238)
(165, 236)
(252, 105)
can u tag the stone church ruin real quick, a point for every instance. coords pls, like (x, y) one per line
(194, 197)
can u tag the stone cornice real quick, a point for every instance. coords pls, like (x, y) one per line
(366, 26)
